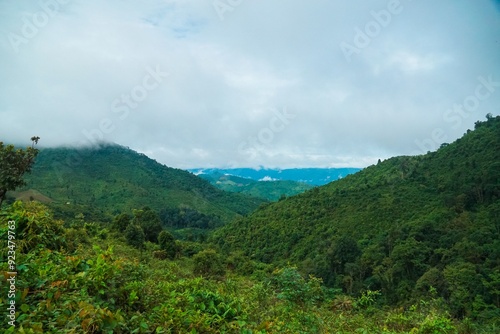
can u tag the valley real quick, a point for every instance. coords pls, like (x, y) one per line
(117, 242)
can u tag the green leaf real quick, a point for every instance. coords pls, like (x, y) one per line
(25, 308)
(22, 267)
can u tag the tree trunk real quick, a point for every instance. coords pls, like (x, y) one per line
(2, 196)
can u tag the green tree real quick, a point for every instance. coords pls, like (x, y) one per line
(121, 222)
(410, 258)
(14, 164)
(463, 283)
(345, 250)
(135, 236)
(167, 243)
(150, 223)
(492, 284)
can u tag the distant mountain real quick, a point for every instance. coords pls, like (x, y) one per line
(406, 226)
(112, 179)
(312, 176)
(269, 190)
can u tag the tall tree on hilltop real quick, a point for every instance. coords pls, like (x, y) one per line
(14, 164)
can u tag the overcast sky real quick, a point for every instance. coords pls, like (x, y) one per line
(246, 83)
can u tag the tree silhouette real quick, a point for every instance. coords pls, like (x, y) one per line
(14, 163)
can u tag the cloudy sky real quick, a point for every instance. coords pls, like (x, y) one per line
(246, 83)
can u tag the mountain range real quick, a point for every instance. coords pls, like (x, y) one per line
(409, 245)
(311, 176)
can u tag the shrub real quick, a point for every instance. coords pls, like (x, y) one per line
(74, 238)
(161, 254)
(209, 263)
(35, 227)
(293, 287)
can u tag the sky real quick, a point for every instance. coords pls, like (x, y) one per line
(248, 83)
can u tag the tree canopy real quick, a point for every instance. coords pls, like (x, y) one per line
(14, 163)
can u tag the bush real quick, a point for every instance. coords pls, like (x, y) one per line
(209, 263)
(293, 287)
(161, 254)
(74, 238)
(35, 227)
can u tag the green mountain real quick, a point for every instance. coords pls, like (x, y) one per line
(112, 179)
(408, 225)
(269, 190)
(413, 243)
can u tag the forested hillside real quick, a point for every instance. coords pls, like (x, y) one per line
(78, 276)
(110, 179)
(407, 226)
(411, 245)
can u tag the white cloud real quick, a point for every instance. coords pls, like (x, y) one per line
(226, 77)
(268, 179)
(413, 63)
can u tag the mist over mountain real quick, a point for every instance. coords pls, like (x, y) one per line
(409, 245)
(218, 210)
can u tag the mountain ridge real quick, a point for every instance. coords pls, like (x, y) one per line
(312, 176)
(401, 226)
(112, 178)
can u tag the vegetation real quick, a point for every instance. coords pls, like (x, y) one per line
(268, 190)
(411, 245)
(106, 180)
(403, 227)
(85, 279)
(13, 165)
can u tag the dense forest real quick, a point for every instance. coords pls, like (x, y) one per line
(109, 179)
(405, 227)
(410, 245)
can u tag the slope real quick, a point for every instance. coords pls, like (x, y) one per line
(401, 226)
(112, 179)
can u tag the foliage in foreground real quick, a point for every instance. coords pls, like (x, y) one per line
(82, 279)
